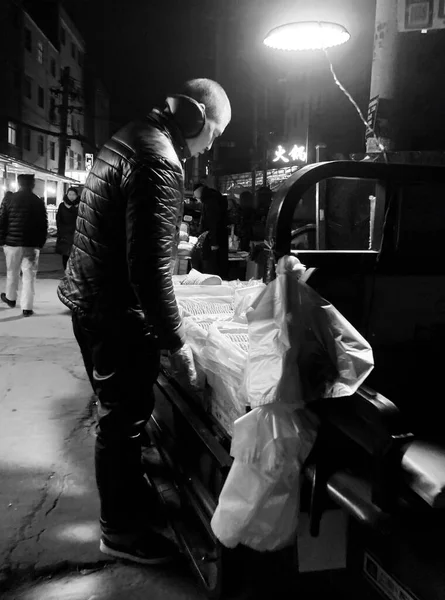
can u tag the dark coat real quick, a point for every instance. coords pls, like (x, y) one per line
(213, 229)
(214, 217)
(23, 220)
(126, 227)
(66, 226)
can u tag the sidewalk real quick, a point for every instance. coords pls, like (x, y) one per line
(48, 500)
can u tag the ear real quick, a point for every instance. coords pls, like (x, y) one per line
(172, 104)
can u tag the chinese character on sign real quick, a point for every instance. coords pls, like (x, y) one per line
(298, 153)
(88, 161)
(280, 154)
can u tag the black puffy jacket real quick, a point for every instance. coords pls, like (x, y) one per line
(23, 220)
(125, 229)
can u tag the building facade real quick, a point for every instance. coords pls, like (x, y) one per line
(72, 53)
(11, 65)
(46, 55)
(39, 43)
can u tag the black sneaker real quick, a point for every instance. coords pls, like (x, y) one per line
(27, 313)
(152, 549)
(10, 303)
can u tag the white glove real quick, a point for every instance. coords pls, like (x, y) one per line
(183, 365)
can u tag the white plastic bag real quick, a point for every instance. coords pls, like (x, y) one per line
(301, 347)
(243, 300)
(259, 503)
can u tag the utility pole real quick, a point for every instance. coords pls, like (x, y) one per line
(254, 155)
(383, 77)
(63, 110)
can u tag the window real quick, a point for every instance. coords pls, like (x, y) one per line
(79, 131)
(41, 97)
(52, 109)
(28, 87)
(53, 67)
(73, 50)
(52, 150)
(79, 162)
(71, 160)
(62, 36)
(28, 39)
(12, 133)
(40, 145)
(40, 52)
(27, 139)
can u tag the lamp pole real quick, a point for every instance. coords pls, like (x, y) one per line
(265, 136)
(308, 115)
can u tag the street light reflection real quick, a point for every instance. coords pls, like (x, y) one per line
(65, 588)
(88, 531)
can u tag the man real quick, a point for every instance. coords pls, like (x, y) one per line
(121, 262)
(214, 221)
(23, 231)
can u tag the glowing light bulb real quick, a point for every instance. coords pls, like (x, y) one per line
(307, 35)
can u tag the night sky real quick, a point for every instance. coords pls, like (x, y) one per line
(144, 48)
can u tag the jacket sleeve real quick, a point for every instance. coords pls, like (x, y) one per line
(153, 199)
(42, 223)
(3, 222)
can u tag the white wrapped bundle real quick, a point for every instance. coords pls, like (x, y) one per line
(197, 278)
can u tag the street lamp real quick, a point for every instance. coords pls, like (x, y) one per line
(307, 35)
(311, 35)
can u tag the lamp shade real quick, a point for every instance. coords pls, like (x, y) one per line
(307, 35)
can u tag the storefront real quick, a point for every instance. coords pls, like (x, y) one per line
(49, 186)
(274, 177)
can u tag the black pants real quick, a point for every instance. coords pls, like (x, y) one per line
(65, 258)
(128, 359)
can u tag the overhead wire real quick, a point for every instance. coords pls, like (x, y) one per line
(369, 128)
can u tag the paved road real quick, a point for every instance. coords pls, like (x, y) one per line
(48, 502)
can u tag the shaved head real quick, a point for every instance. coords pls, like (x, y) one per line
(212, 95)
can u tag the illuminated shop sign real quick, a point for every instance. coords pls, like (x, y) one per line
(89, 159)
(294, 154)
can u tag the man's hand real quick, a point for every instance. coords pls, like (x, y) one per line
(214, 248)
(183, 364)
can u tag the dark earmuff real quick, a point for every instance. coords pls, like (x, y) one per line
(189, 115)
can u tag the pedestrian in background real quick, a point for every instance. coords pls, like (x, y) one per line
(213, 231)
(7, 196)
(66, 223)
(23, 231)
